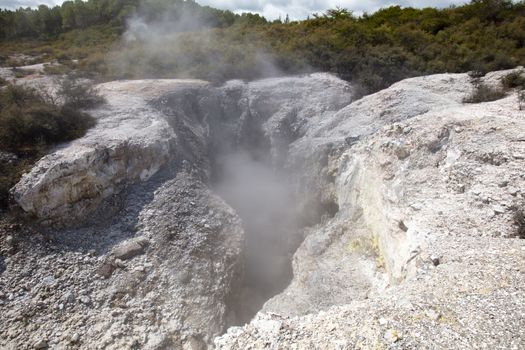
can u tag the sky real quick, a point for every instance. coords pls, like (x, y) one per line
(272, 9)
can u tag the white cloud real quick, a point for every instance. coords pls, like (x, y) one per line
(272, 9)
(14, 4)
(300, 9)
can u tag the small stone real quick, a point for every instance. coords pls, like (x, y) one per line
(392, 336)
(513, 191)
(433, 314)
(401, 224)
(416, 206)
(70, 297)
(498, 209)
(105, 270)
(435, 260)
(85, 300)
(130, 249)
(40, 344)
(383, 321)
(402, 152)
(115, 313)
(74, 338)
(119, 263)
(48, 281)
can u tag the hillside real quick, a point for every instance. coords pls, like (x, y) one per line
(186, 40)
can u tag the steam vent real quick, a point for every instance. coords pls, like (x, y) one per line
(283, 213)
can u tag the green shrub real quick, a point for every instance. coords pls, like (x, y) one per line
(476, 74)
(58, 69)
(21, 73)
(484, 93)
(514, 80)
(78, 94)
(28, 120)
(29, 124)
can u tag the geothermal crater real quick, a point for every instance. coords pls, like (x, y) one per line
(322, 221)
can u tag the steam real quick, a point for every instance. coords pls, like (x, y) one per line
(146, 28)
(183, 42)
(265, 202)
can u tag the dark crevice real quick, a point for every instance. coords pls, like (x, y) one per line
(245, 164)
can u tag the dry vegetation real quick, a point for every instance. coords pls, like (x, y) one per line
(30, 123)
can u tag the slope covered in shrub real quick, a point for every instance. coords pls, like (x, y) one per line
(374, 50)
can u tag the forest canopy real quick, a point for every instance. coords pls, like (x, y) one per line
(374, 50)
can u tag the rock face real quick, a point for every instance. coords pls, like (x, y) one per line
(130, 143)
(162, 256)
(433, 200)
(406, 208)
(147, 123)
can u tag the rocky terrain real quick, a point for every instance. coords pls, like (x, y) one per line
(392, 221)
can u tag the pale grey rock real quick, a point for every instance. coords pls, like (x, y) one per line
(74, 338)
(40, 344)
(130, 143)
(392, 336)
(375, 188)
(411, 154)
(128, 250)
(432, 314)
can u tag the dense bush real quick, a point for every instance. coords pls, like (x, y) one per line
(27, 120)
(45, 22)
(78, 94)
(484, 93)
(29, 124)
(374, 50)
(514, 80)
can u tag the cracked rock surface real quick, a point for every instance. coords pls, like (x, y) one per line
(436, 199)
(409, 207)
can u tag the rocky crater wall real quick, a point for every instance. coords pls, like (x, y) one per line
(381, 206)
